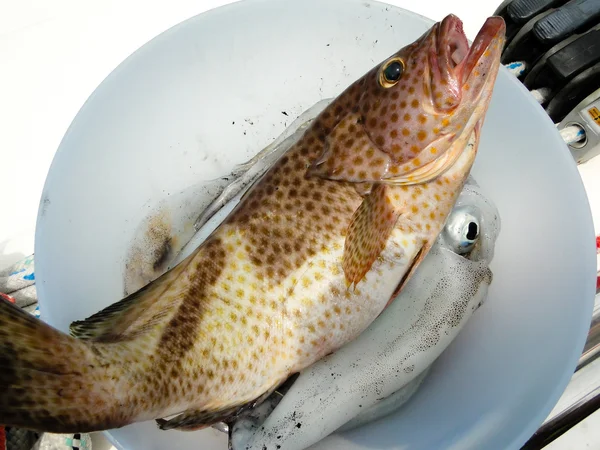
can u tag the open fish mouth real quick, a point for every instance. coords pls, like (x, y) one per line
(453, 45)
(455, 59)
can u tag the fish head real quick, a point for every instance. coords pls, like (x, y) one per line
(431, 92)
(414, 105)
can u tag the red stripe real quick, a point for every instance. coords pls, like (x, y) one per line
(598, 252)
(2, 438)
(9, 299)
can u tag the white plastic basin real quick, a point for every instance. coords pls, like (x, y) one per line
(209, 94)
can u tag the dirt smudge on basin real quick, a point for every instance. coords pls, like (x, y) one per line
(153, 249)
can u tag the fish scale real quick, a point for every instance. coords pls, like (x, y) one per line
(310, 256)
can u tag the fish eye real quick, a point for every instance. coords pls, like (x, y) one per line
(391, 72)
(462, 229)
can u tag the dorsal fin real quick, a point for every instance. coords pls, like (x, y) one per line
(106, 324)
(115, 322)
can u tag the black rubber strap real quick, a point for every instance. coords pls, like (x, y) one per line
(572, 17)
(577, 56)
(522, 10)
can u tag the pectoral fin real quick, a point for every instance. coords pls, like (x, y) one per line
(368, 233)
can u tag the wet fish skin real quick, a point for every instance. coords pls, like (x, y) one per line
(302, 265)
(378, 371)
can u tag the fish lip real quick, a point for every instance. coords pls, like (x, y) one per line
(493, 29)
(449, 50)
(452, 43)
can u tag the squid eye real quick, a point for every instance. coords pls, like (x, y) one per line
(391, 72)
(462, 229)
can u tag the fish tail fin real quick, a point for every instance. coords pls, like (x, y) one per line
(52, 382)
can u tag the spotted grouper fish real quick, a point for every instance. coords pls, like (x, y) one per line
(380, 370)
(310, 256)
